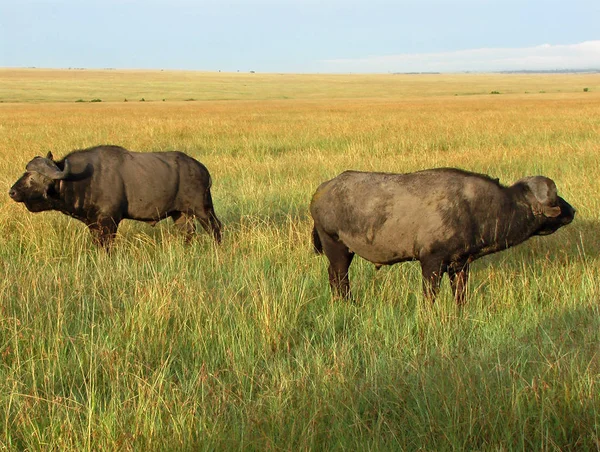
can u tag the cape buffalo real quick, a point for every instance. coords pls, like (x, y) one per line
(103, 185)
(445, 218)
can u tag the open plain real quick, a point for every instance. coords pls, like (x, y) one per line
(165, 345)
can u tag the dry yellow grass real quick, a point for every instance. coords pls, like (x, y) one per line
(43, 85)
(503, 135)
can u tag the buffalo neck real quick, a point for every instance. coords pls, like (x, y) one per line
(513, 224)
(70, 199)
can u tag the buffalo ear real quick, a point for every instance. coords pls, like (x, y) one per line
(551, 212)
(547, 211)
(49, 156)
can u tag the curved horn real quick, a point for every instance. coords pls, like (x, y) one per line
(48, 168)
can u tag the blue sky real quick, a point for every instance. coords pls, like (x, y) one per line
(302, 35)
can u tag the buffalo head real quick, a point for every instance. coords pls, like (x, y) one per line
(550, 210)
(36, 187)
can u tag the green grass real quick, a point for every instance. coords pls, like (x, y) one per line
(163, 345)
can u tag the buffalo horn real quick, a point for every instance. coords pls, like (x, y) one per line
(48, 168)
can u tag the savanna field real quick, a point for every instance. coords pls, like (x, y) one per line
(165, 345)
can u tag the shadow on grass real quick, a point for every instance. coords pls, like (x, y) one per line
(534, 387)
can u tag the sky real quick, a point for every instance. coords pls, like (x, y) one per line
(302, 36)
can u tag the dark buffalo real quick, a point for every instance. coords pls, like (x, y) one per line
(445, 218)
(103, 185)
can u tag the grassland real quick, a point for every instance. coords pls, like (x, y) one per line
(46, 85)
(163, 345)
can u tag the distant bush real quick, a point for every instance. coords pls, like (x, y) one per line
(495, 92)
(191, 99)
(96, 100)
(585, 90)
(142, 100)
(80, 100)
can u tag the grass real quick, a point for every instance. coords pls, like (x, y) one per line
(50, 85)
(163, 345)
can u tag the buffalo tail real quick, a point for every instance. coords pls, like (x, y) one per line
(317, 245)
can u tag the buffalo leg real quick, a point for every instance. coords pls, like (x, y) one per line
(185, 224)
(432, 270)
(104, 231)
(340, 258)
(459, 280)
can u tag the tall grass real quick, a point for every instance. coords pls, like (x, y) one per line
(167, 345)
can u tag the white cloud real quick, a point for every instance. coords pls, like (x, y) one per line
(585, 55)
